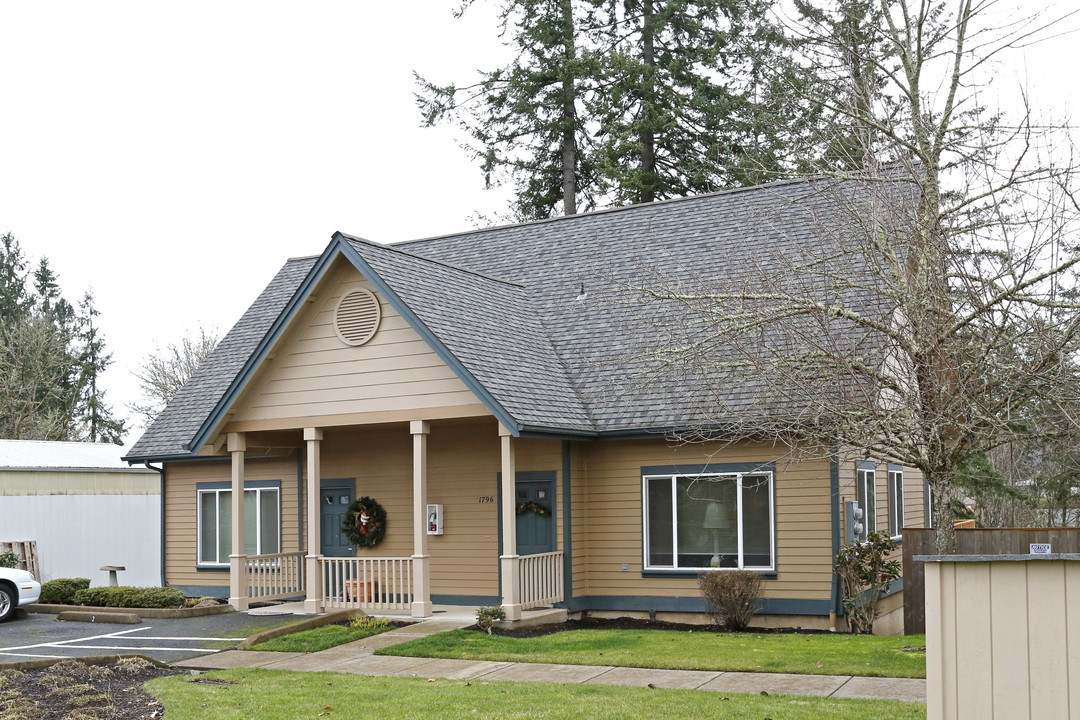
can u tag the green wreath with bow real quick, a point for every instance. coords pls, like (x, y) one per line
(365, 522)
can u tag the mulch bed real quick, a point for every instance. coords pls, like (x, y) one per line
(72, 690)
(625, 623)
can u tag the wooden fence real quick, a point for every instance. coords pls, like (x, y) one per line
(973, 541)
(27, 552)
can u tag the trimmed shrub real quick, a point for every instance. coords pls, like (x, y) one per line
(62, 590)
(130, 597)
(486, 617)
(732, 597)
(9, 559)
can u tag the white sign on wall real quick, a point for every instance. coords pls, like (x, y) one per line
(1040, 548)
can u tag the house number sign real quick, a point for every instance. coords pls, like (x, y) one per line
(486, 499)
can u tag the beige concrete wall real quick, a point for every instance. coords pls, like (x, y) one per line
(610, 516)
(314, 375)
(1003, 640)
(136, 481)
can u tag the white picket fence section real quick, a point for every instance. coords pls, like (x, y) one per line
(541, 579)
(381, 583)
(277, 576)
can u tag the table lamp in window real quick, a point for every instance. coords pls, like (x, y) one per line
(717, 522)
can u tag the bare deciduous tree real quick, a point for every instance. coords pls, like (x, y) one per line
(162, 375)
(924, 313)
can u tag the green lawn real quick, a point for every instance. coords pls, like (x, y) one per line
(282, 695)
(319, 638)
(812, 654)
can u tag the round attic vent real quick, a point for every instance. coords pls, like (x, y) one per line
(357, 317)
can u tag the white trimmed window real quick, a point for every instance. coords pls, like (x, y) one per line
(262, 521)
(896, 503)
(866, 489)
(722, 520)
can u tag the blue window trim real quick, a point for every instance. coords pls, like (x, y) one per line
(217, 485)
(710, 468)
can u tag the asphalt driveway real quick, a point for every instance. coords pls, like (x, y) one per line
(37, 636)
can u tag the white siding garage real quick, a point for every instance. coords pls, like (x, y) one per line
(84, 508)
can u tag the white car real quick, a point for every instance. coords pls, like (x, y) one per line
(17, 588)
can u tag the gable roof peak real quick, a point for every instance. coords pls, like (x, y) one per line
(421, 258)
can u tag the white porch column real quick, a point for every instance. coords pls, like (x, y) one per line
(511, 569)
(312, 571)
(238, 572)
(421, 604)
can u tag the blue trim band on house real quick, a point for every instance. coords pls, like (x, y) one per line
(214, 591)
(248, 485)
(428, 336)
(893, 467)
(834, 514)
(769, 466)
(318, 270)
(568, 554)
(865, 465)
(641, 603)
(694, 572)
(483, 600)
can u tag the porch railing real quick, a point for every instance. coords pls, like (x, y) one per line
(541, 579)
(272, 577)
(381, 583)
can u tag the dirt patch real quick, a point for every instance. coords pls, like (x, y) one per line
(626, 623)
(75, 691)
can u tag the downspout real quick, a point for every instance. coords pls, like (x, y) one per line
(161, 540)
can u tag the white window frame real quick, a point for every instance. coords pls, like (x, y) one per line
(896, 503)
(738, 477)
(866, 490)
(218, 492)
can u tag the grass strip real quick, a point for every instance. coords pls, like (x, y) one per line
(810, 654)
(284, 695)
(319, 638)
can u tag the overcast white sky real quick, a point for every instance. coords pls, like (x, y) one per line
(171, 156)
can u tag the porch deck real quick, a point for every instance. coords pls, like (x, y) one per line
(462, 615)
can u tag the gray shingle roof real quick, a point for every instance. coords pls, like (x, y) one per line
(178, 423)
(505, 304)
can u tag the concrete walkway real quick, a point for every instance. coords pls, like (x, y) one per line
(357, 658)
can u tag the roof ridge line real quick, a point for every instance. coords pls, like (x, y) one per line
(424, 258)
(610, 210)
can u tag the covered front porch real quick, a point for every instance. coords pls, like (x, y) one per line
(397, 583)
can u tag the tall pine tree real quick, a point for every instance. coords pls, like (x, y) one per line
(524, 119)
(609, 102)
(51, 358)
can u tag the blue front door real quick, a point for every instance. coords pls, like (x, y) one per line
(535, 517)
(334, 502)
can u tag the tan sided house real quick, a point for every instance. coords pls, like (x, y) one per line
(490, 397)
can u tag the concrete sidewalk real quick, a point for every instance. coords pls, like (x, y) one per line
(357, 658)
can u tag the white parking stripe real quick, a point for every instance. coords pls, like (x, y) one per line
(75, 640)
(33, 656)
(126, 647)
